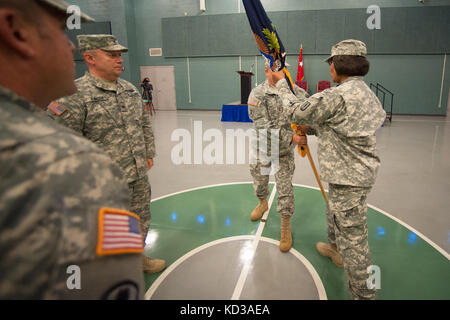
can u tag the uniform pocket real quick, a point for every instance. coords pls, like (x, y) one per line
(351, 218)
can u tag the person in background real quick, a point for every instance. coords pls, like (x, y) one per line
(147, 89)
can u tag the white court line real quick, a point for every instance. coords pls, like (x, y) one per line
(199, 188)
(317, 281)
(407, 226)
(172, 267)
(161, 278)
(309, 267)
(246, 268)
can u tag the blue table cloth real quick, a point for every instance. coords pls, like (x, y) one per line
(237, 113)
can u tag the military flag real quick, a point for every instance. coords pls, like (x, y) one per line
(300, 73)
(271, 47)
(267, 39)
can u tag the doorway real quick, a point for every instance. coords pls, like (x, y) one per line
(163, 80)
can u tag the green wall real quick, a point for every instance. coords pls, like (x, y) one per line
(317, 30)
(414, 79)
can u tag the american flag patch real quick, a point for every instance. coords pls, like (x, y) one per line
(253, 102)
(118, 232)
(56, 108)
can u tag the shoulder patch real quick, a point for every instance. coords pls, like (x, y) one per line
(118, 232)
(56, 108)
(253, 102)
(305, 106)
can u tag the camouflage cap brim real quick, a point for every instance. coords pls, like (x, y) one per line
(62, 6)
(349, 47)
(105, 42)
(117, 47)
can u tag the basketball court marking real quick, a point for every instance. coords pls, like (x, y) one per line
(407, 226)
(244, 272)
(199, 188)
(317, 281)
(253, 238)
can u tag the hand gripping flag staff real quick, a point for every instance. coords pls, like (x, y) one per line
(271, 47)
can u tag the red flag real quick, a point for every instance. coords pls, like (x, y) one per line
(300, 74)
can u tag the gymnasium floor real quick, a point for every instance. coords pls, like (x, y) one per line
(201, 226)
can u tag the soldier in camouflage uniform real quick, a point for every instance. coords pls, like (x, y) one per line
(109, 111)
(54, 185)
(346, 118)
(265, 109)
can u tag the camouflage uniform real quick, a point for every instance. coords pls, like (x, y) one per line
(265, 109)
(112, 115)
(53, 184)
(346, 118)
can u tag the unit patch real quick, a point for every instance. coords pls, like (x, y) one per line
(305, 106)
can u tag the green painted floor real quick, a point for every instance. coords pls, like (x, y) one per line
(410, 267)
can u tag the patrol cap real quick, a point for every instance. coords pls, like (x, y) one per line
(105, 42)
(62, 6)
(348, 47)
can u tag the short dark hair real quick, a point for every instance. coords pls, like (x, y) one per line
(350, 65)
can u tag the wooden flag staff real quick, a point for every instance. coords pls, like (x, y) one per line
(304, 150)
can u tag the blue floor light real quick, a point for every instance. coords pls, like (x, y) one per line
(200, 219)
(412, 238)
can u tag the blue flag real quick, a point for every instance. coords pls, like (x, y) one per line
(266, 36)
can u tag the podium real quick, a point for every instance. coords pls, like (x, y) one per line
(246, 85)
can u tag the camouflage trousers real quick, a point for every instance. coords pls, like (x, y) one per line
(283, 179)
(347, 229)
(140, 192)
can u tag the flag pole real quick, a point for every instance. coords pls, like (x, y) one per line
(311, 161)
(304, 150)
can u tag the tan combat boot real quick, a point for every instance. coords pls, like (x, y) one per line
(330, 251)
(259, 210)
(152, 265)
(286, 235)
